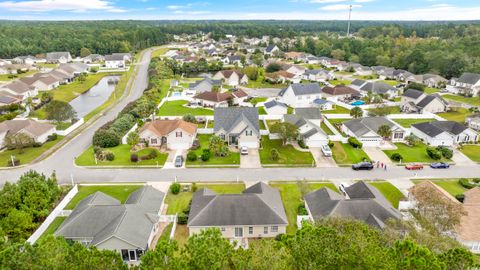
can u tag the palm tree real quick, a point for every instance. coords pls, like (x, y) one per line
(385, 131)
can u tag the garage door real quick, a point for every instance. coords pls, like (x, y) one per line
(253, 145)
(370, 143)
(178, 146)
(316, 143)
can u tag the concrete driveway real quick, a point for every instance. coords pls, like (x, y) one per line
(461, 159)
(376, 154)
(320, 159)
(170, 163)
(250, 161)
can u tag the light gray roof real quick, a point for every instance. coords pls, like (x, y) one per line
(365, 203)
(315, 71)
(362, 126)
(206, 80)
(358, 82)
(469, 78)
(413, 93)
(28, 126)
(377, 87)
(100, 217)
(228, 118)
(114, 57)
(308, 113)
(57, 55)
(274, 103)
(426, 100)
(258, 205)
(303, 89)
(435, 128)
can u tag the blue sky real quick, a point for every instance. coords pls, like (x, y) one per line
(240, 9)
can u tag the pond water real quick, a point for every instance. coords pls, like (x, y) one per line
(96, 96)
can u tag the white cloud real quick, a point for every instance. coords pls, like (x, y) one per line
(339, 7)
(326, 1)
(58, 5)
(174, 7)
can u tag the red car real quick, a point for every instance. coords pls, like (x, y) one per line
(414, 167)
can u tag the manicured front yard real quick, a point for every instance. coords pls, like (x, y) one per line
(431, 90)
(449, 185)
(345, 154)
(68, 92)
(406, 123)
(262, 84)
(472, 152)
(326, 129)
(292, 197)
(391, 193)
(119, 192)
(270, 123)
(173, 108)
(458, 115)
(288, 156)
(339, 82)
(474, 101)
(416, 153)
(232, 160)
(337, 110)
(122, 157)
(28, 155)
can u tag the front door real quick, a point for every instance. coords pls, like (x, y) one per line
(164, 140)
(238, 232)
(233, 140)
(132, 255)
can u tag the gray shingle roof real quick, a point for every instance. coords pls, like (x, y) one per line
(413, 93)
(303, 89)
(377, 87)
(358, 82)
(362, 126)
(309, 113)
(425, 101)
(206, 80)
(258, 205)
(435, 128)
(114, 57)
(469, 78)
(274, 103)
(229, 118)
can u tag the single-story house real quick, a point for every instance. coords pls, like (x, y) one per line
(283, 76)
(8, 99)
(444, 133)
(299, 95)
(363, 71)
(473, 121)
(126, 56)
(93, 58)
(231, 77)
(256, 213)
(59, 57)
(20, 89)
(418, 102)
(274, 107)
(308, 121)
(41, 81)
(27, 60)
(238, 126)
(469, 227)
(362, 202)
(103, 222)
(323, 104)
(318, 75)
(379, 88)
(39, 132)
(174, 134)
(232, 60)
(339, 92)
(271, 50)
(366, 130)
(205, 85)
(114, 61)
(294, 69)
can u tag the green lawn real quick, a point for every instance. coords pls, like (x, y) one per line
(53, 226)
(210, 124)
(122, 157)
(67, 92)
(326, 129)
(449, 185)
(367, 77)
(181, 235)
(345, 154)
(166, 232)
(288, 156)
(458, 115)
(233, 159)
(416, 153)
(256, 100)
(159, 52)
(339, 82)
(391, 193)
(431, 90)
(262, 84)
(119, 192)
(261, 110)
(337, 121)
(472, 152)
(337, 110)
(11, 77)
(270, 123)
(406, 123)
(343, 73)
(292, 198)
(474, 101)
(393, 109)
(389, 82)
(178, 203)
(173, 108)
(262, 124)
(28, 155)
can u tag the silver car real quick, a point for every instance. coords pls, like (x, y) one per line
(179, 161)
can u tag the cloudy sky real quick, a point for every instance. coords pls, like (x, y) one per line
(240, 10)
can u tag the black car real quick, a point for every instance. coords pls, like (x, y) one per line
(362, 166)
(439, 165)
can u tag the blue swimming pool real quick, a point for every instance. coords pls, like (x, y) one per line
(357, 103)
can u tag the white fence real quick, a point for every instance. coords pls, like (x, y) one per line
(55, 213)
(174, 227)
(415, 116)
(70, 128)
(124, 139)
(205, 131)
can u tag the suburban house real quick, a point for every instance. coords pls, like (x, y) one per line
(362, 202)
(318, 75)
(126, 56)
(430, 80)
(41, 81)
(39, 132)
(7, 99)
(366, 130)
(232, 60)
(218, 99)
(205, 85)
(418, 102)
(308, 121)
(274, 107)
(173, 134)
(294, 69)
(59, 57)
(473, 121)
(114, 61)
(19, 89)
(256, 213)
(103, 222)
(379, 88)
(27, 60)
(339, 92)
(63, 76)
(283, 76)
(299, 95)
(468, 84)
(323, 104)
(231, 77)
(296, 56)
(401, 75)
(93, 58)
(238, 126)
(363, 71)
(444, 133)
(271, 49)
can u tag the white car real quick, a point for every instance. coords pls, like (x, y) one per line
(326, 150)
(244, 150)
(342, 188)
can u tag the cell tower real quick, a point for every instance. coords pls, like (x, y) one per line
(349, 18)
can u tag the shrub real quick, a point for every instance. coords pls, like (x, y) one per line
(331, 144)
(192, 156)
(396, 157)
(175, 188)
(465, 183)
(274, 155)
(446, 153)
(109, 156)
(460, 197)
(182, 218)
(194, 187)
(434, 153)
(123, 124)
(15, 162)
(37, 144)
(302, 144)
(476, 180)
(52, 137)
(134, 157)
(206, 155)
(301, 210)
(106, 138)
(354, 142)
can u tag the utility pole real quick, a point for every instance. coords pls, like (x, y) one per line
(349, 18)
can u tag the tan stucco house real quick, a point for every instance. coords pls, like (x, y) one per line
(174, 134)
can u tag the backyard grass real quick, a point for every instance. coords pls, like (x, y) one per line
(339, 82)
(472, 152)
(210, 124)
(406, 123)
(28, 155)
(67, 92)
(166, 232)
(474, 101)
(416, 153)
(292, 198)
(261, 124)
(173, 108)
(459, 115)
(261, 111)
(232, 160)
(337, 121)
(181, 235)
(262, 84)
(288, 156)
(389, 82)
(11, 77)
(431, 90)
(159, 52)
(393, 109)
(119, 192)
(449, 185)
(345, 154)
(270, 123)
(256, 100)
(122, 157)
(326, 129)
(391, 193)
(337, 110)
(53, 226)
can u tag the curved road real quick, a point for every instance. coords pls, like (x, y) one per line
(62, 161)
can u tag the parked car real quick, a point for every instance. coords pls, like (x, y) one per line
(244, 150)
(414, 166)
(363, 166)
(342, 188)
(179, 161)
(439, 165)
(326, 151)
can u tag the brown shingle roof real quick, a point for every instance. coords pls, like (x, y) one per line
(469, 229)
(214, 96)
(165, 127)
(228, 73)
(339, 90)
(30, 126)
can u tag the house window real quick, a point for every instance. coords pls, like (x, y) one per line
(222, 136)
(249, 132)
(153, 141)
(178, 134)
(250, 230)
(222, 229)
(265, 230)
(274, 229)
(398, 135)
(238, 232)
